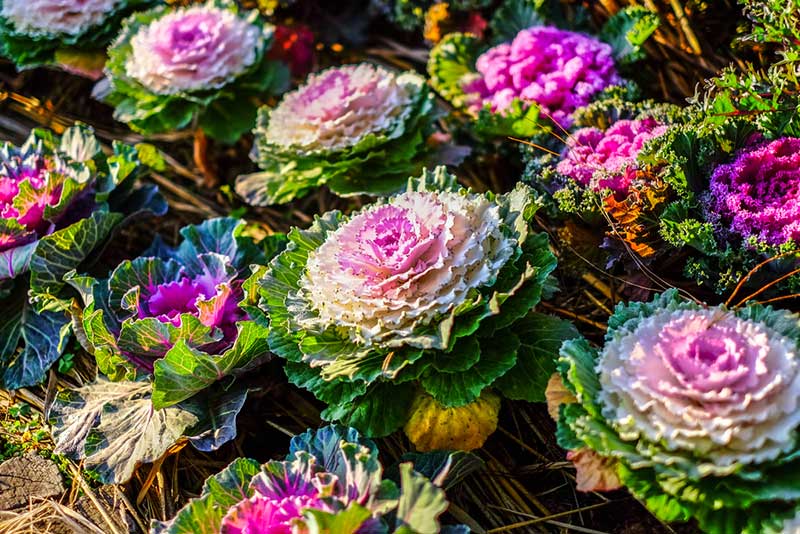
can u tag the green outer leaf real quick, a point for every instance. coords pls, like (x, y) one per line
(420, 502)
(151, 338)
(62, 251)
(185, 371)
(520, 119)
(541, 336)
(451, 63)
(220, 492)
(348, 521)
(103, 345)
(379, 412)
(627, 30)
(113, 426)
(332, 392)
(44, 335)
(460, 388)
(217, 410)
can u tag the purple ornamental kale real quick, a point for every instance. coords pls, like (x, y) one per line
(758, 194)
(179, 305)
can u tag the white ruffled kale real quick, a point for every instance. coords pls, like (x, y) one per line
(698, 408)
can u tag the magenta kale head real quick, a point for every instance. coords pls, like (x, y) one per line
(757, 195)
(331, 481)
(42, 190)
(188, 304)
(60, 198)
(556, 69)
(600, 160)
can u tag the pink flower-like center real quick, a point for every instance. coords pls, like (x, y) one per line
(29, 211)
(388, 245)
(705, 358)
(390, 241)
(327, 99)
(607, 160)
(264, 515)
(168, 301)
(190, 38)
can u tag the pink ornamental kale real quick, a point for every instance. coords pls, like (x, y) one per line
(29, 183)
(197, 48)
(282, 492)
(600, 160)
(558, 70)
(59, 200)
(758, 194)
(179, 305)
(331, 481)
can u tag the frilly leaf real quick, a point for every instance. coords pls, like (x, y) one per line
(513, 16)
(454, 389)
(451, 64)
(627, 30)
(379, 412)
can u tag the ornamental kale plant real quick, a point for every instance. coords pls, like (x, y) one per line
(423, 295)
(539, 74)
(556, 69)
(736, 181)
(602, 177)
(202, 66)
(165, 329)
(60, 199)
(331, 481)
(357, 128)
(607, 160)
(756, 195)
(40, 32)
(744, 117)
(694, 408)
